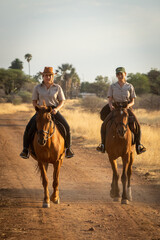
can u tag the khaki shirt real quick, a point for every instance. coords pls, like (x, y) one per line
(121, 94)
(52, 96)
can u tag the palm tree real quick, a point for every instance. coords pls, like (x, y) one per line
(28, 57)
(67, 77)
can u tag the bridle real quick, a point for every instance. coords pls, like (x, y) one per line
(47, 132)
(121, 123)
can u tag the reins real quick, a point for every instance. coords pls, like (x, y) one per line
(121, 123)
(47, 132)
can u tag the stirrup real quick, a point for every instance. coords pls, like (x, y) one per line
(69, 153)
(24, 154)
(140, 149)
(101, 148)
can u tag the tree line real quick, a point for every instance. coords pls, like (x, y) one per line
(14, 82)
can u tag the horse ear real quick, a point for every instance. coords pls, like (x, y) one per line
(49, 109)
(44, 103)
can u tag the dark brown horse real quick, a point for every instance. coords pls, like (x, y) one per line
(118, 143)
(49, 148)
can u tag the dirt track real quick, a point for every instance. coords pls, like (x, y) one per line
(86, 210)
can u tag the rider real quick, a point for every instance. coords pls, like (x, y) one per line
(121, 92)
(53, 95)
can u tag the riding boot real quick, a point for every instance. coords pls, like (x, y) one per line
(69, 152)
(139, 147)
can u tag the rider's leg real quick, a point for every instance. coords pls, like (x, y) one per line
(137, 133)
(69, 152)
(101, 147)
(30, 128)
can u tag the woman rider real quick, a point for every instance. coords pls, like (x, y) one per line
(53, 95)
(121, 91)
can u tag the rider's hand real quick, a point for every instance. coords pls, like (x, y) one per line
(55, 110)
(111, 107)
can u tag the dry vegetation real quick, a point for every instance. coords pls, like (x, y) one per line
(85, 126)
(9, 108)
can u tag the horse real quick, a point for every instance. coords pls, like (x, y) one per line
(49, 147)
(118, 143)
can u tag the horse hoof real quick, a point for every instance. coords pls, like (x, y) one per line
(46, 205)
(57, 201)
(129, 199)
(116, 199)
(124, 201)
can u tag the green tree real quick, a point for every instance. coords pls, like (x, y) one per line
(12, 80)
(99, 86)
(28, 57)
(100, 79)
(140, 82)
(16, 64)
(154, 80)
(37, 77)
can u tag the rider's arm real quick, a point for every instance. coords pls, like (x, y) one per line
(131, 103)
(110, 103)
(60, 105)
(34, 102)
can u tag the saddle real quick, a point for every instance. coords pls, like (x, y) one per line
(33, 130)
(106, 115)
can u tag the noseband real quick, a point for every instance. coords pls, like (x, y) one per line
(121, 123)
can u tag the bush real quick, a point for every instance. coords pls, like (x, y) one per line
(16, 100)
(26, 96)
(93, 103)
(148, 101)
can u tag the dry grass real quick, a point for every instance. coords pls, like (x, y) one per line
(148, 117)
(86, 126)
(9, 108)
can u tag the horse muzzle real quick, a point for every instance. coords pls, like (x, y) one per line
(42, 142)
(121, 132)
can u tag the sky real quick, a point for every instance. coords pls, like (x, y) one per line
(95, 36)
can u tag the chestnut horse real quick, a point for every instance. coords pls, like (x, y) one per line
(49, 147)
(118, 143)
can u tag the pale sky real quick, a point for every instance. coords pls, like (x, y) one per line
(95, 36)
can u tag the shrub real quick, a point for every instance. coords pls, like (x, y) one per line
(148, 101)
(16, 100)
(93, 103)
(26, 96)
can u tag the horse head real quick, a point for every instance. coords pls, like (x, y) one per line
(121, 121)
(44, 123)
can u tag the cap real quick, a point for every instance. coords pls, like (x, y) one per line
(120, 69)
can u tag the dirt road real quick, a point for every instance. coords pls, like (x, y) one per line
(86, 210)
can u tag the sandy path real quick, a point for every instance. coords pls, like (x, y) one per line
(86, 210)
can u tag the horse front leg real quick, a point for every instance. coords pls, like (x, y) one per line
(114, 193)
(126, 161)
(55, 195)
(129, 173)
(46, 201)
